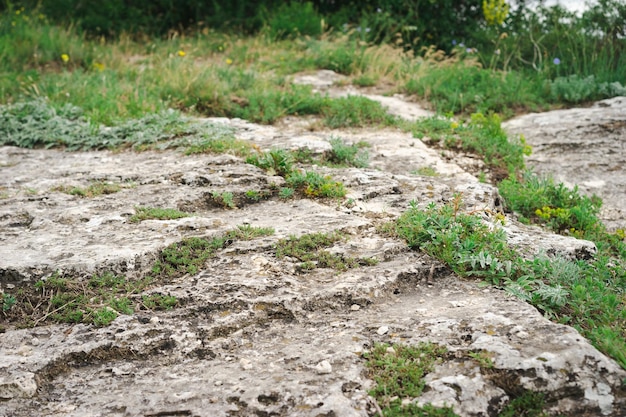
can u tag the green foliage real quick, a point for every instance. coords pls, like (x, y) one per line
(343, 154)
(466, 88)
(159, 302)
(189, 255)
(36, 123)
(540, 200)
(93, 190)
(146, 213)
(354, 111)
(575, 89)
(225, 199)
(482, 135)
(529, 404)
(275, 162)
(294, 19)
(8, 301)
(314, 185)
(309, 250)
(399, 372)
(586, 295)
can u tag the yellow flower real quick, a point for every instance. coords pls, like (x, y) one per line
(229, 61)
(454, 125)
(495, 11)
(65, 57)
(98, 66)
(181, 53)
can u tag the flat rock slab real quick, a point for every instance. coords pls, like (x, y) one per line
(584, 147)
(255, 334)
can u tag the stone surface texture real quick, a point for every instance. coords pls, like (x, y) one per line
(254, 335)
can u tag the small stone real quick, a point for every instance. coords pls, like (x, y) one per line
(382, 330)
(355, 307)
(245, 364)
(218, 383)
(154, 320)
(390, 350)
(324, 367)
(422, 300)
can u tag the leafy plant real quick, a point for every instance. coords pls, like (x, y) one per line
(342, 154)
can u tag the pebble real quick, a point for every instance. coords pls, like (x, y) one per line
(355, 307)
(245, 364)
(390, 350)
(154, 320)
(218, 383)
(324, 367)
(382, 330)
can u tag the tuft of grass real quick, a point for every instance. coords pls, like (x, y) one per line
(314, 185)
(309, 249)
(399, 372)
(343, 154)
(355, 111)
(147, 213)
(482, 135)
(225, 199)
(529, 404)
(189, 255)
(93, 190)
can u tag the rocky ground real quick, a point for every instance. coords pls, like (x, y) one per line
(254, 335)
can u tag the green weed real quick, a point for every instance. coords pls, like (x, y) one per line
(426, 172)
(189, 255)
(529, 404)
(482, 135)
(342, 154)
(314, 185)
(309, 249)
(224, 199)
(583, 294)
(159, 302)
(354, 111)
(146, 213)
(93, 190)
(399, 372)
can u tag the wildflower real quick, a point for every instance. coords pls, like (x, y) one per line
(229, 61)
(495, 11)
(181, 53)
(98, 66)
(497, 52)
(462, 45)
(556, 61)
(65, 57)
(453, 42)
(358, 29)
(379, 10)
(367, 29)
(220, 48)
(454, 125)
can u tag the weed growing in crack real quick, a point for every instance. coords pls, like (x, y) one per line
(426, 172)
(309, 249)
(188, 256)
(224, 199)
(399, 372)
(342, 154)
(529, 404)
(148, 213)
(562, 289)
(93, 190)
(314, 185)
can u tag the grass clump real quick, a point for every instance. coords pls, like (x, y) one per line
(355, 111)
(93, 190)
(399, 372)
(189, 255)
(482, 135)
(309, 249)
(343, 154)
(587, 295)
(149, 213)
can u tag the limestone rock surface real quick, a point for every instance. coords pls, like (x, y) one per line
(255, 335)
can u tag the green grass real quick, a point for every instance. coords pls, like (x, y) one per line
(147, 213)
(399, 372)
(93, 190)
(309, 249)
(481, 135)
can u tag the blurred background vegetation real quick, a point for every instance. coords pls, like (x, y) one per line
(459, 56)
